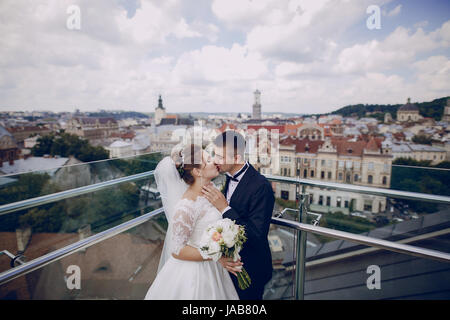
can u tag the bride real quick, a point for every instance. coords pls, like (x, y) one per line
(184, 273)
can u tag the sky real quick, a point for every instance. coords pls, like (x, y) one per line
(305, 56)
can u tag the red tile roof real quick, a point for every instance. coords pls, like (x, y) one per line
(302, 145)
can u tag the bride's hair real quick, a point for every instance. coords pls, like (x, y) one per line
(186, 160)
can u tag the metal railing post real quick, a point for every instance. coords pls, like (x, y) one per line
(301, 245)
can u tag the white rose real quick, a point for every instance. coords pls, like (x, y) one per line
(214, 247)
(228, 238)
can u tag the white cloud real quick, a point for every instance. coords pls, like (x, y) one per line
(399, 49)
(304, 55)
(394, 12)
(218, 64)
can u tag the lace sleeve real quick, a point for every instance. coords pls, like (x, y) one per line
(183, 224)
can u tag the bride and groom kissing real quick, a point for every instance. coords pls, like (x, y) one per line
(191, 203)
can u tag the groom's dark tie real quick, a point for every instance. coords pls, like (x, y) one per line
(233, 178)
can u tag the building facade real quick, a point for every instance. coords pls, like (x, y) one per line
(92, 128)
(409, 112)
(336, 160)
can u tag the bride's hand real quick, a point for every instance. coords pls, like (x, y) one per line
(230, 265)
(214, 196)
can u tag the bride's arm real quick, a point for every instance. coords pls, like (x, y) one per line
(183, 225)
(190, 254)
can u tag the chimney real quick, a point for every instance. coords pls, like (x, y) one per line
(23, 238)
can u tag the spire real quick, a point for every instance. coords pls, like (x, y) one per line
(160, 104)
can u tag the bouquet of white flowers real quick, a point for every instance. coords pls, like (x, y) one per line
(225, 238)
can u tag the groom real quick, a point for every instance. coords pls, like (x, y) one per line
(248, 199)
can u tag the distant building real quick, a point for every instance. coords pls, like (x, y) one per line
(20, 133)
(91, 128)
(364, 163)
(446, 115)
(47, 163)
(409, 112)
(387, 117)
(9, 151)
(160, 112)
(257, 105)
(419, 152)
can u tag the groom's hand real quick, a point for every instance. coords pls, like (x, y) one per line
(214, 196)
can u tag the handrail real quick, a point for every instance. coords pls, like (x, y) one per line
(369, 241)
(373, 242)
(362, 189)
(33, 202)
(87, 242)
(69, 249)
(29, 203)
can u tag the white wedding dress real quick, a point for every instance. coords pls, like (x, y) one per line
(192, 280)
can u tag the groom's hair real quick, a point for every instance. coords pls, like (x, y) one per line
(231, 140)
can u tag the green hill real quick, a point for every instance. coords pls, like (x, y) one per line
(433, 109)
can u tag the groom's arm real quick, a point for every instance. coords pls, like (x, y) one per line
(257, 220)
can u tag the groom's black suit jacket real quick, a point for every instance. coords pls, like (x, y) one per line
(251, 206)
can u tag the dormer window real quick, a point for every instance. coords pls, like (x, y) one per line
(349, 150)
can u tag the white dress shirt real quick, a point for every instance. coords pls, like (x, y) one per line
(232, 185)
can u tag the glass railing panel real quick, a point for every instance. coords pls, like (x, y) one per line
(42, 229)
(340, 270)
(121, 267)
(283, 243)
(29, 185)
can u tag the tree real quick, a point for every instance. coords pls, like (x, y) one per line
(421, 139)
(66, 144)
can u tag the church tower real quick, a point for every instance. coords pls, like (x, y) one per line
(160, 112)
(257, 105)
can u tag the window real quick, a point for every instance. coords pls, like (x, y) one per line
(312, 173)
(298, 172)
(328, 201)
(322, 175)
(305, 173)
(370, 179)
(338, 202)
(285, 195)
(330, 163)
(341, 164)
(322, 163)
(321, 200)
(356, 178)
(313, 162)
(384, 180)
(305, 161)
(386, 167)
(285, 172)
(346, 203)
(289, 172)
(357, 165)
(340, 176)
(371, 166)
(348, 164)
(367, 205)
(329, 175)
(348, 178)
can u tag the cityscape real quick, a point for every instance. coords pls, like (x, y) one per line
(344, 107)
